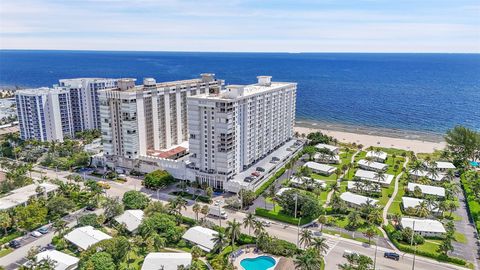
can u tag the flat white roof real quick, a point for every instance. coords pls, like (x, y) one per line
(372, 177)
(327, 146)
(380, 155)
(22, 195)
(282, 190)
(414, 202)
(131, 218)
(356, 199)
(374, 165)
(442, 165)
(421, 173)
(84, 237)
(169, 260)
(301, 180)
(320, 167)
(62, 261)
(423, 225)
(430, 190)
(201, 236)
(353, 185)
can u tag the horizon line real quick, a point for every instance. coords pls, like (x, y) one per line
(271, 52)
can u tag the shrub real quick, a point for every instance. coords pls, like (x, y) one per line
(270, 181)
(280, 217)
(135, 200)
(158, 179)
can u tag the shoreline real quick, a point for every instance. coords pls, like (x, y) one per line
(411, 141)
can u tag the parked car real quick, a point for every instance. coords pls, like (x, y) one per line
(50, 246)
(43, 230)
(392, 255)
(14, 244)
(457, 173)
(35, 234)
(90, 208)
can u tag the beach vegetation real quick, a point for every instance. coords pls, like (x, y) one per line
(158, 179)
(463, 144)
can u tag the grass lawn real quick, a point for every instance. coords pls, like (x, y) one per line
(391, 165)
(395, 206)
(459, 237)
(5, 251)
(342, 222)
(322, 177)
(429, 245)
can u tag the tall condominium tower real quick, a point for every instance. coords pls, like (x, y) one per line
(44, 113)
(149, 119)
(85, 101)
(233, 129)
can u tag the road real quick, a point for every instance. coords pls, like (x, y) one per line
(280, 230)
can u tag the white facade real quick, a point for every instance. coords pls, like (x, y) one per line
(320, 168)
(44, 114)
(373, 177)
(87, 236)
(62, 261)
(21, 196)
(233, 129)
(166, 261)
(201, 236)
(85, 100)
(429, 190)
(145, 120)
(356, 200)
(332, 148)
(372, 166)
(378, 156)
(424, 227)
(131, 218)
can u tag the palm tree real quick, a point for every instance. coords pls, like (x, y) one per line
(249, 221)
(422, 209)
(353, 219)
(258, 228)
(433, 170)
(320, 244)
(60, 226)
(233, 230)
(431, 202)
(306, 237)
(196, 209)
(220, 240)
(205, 209)
(322, 220)
(265, 197)
(369, 160)
(416, 167)
(308, 260)
(380, 176)
(369, 233)
(396, 218)
(452, 206)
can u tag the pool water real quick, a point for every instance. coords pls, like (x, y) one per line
(474, 163)
(258, 263)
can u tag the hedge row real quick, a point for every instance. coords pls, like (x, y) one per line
(269, 182)
(280, 217)
(473, 204)
(389, 229)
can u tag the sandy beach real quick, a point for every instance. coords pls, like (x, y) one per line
(416, 145)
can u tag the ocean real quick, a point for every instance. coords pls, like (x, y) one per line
(392, 93)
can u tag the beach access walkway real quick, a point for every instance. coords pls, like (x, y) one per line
(395, 191)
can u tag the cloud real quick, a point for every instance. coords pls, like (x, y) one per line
(239, 25)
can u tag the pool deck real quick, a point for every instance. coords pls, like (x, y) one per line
(248, 254)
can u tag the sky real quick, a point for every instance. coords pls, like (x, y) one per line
(242, 25)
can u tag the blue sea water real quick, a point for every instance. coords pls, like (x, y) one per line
(413, 92)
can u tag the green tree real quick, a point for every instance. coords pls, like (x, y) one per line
(112, 208)
(31, 216)
(369, 233)
(99, 261)
(196, 209)
(306, 237)
(135, 200)
(59, 206)
(322, 220)
(88, 220)
(249, 222)
(5, 221)
(320, 245)
(158, 179)
(463, 143)
(154, 207)
(220, 240)
(233, 230)
(308, 260)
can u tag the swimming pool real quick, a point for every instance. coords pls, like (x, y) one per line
(474, 163)
(258, 263)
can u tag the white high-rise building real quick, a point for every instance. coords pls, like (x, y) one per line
(85, 100)
(148, 120)
(44, 114)
(234, 129)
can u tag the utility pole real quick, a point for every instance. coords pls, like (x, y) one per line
(375, 257)
(411, 243)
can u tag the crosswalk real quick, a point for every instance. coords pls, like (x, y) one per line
(331, 242)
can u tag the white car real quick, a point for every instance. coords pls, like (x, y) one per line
(35, 234)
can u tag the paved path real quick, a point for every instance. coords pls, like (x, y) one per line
(395, 191)
(469, 250)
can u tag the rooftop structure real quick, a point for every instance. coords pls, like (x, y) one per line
(426, 227)
(320, 168)
(327, 159)
(372, 166)
(421, 173)
(298, 181)
(84, 237)
(430, 190)
(61, 260)
(362, 186)
(356, 200)
(282, 190)
(378, 156)
(201, 236)
(332, 148)
(20, 196)
(442, 165)
(408, 202)
(166, 261)
(373, 177)
(131, 218)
